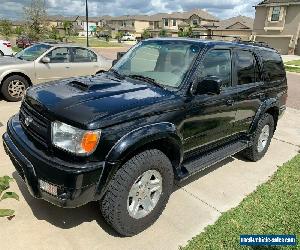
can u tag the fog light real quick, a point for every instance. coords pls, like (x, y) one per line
(47, 187)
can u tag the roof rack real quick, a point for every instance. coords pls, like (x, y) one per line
(238, 39)
(256, 43)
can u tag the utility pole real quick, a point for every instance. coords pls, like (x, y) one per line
(87, 22)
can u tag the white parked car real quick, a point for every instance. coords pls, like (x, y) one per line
(44, 62)
(5, 48)
(128, 37)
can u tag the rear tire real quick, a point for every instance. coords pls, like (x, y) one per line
(117, 203)
(261, 139)
(13, 88)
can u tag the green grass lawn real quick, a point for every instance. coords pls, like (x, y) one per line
(292, 69)
(295, 62)
(94, 42)
(274, 208)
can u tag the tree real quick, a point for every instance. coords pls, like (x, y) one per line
(6, 28)
(185, 32)
(163, 33)
(36, 16)
(19, 30)
(119, 35)
(68, 25)
(54, 33)
(146, 34)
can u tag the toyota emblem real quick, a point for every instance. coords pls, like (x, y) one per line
(28, 121)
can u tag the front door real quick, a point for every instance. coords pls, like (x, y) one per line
(210, 118)
(59, 67)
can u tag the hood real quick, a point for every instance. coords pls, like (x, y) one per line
(95, 102)
(9, 60)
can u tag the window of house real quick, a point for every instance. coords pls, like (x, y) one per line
(247, 68)
(132, 24)
(195, 22)
(217, 63)
(166, 22)
(174, 22)
(275, 14)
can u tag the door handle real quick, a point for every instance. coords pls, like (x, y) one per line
(230, 102)
(67, 67)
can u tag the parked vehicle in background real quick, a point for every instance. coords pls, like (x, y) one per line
(24, 42)
(128, 37)
(45, 62)
(166, 110)
(5, 48)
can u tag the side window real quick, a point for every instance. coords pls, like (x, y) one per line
(246, 67)
(217, 63)
(81, 55)
(59, 55)
(273, 68)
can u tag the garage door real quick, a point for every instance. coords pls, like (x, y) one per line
(279, 43)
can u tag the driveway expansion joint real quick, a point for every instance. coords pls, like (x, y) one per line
(199, 199)
(286, 142)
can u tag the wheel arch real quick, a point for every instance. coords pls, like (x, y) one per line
(161, 136)
(270, 106)
(18, 74)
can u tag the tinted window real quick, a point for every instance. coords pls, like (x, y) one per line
(83, 55)
(217, 63)
(247, 68)
(273, 66)
(59, 55)
(275, 13)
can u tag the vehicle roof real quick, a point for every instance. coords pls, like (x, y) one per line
(59, 45)
(212, 43)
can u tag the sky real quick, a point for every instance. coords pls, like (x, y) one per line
(13, 9)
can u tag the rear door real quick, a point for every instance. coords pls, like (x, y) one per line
(84, 62)
(59, 67)
(249, 88)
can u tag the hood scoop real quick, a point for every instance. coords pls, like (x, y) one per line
(88, 85)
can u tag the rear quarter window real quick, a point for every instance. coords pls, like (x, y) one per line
(273, 68)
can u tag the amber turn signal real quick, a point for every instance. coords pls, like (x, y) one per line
(90, 141)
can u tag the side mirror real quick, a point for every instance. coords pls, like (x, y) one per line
(210, 85)
(46, 59)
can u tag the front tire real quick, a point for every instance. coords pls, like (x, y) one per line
(13, 88)
(138, 193)
(261, 139)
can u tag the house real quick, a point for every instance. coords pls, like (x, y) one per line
(176, 21)
(58, 20)
(232, 28)
(133, 24)
(277, 22)
(93, 23)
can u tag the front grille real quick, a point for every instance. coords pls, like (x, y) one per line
(38, 128)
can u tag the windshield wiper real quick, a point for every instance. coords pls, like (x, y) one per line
(117, 74)
(147, 79)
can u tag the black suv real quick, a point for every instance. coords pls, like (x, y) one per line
(166, 110)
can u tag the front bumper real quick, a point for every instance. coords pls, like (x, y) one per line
(76, 183)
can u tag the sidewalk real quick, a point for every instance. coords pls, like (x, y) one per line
(197, 202)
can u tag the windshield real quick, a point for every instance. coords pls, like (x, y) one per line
(33, 52)
(164, 62)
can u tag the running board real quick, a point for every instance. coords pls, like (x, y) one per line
(213, 157)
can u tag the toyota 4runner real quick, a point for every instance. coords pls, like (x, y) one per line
(166, 110)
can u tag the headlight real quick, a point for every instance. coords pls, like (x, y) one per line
(74, 140)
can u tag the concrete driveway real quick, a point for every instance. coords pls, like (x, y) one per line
(196, 203)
